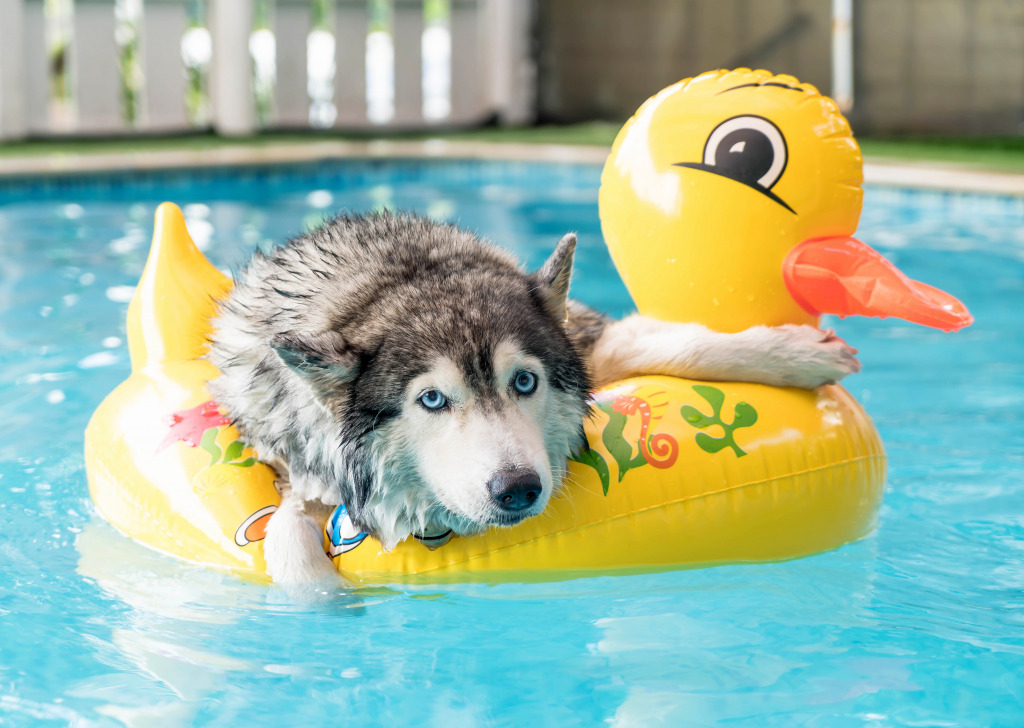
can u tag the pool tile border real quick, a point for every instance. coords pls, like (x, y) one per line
(888, 173)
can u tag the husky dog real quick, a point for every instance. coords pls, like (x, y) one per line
(416, 374)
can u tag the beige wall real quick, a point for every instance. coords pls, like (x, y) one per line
(934, 66)
(940, 66)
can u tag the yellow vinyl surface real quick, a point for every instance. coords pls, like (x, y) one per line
(754, 473)
(806, 476)
(680, 473)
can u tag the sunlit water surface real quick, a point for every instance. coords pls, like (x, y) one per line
(920, 624)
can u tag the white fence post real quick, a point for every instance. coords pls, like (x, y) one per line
(36, 69)
(95, 70)
(231, 94)
(469, 92)
(13, 116)
(350, 25)
(291, 94)
(163, 25)
(407, 34)
(505, 27)
(842, 54)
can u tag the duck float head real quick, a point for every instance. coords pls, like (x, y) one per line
(730, 199)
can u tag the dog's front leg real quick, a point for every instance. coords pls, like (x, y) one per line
(793, 356)
(293, 547)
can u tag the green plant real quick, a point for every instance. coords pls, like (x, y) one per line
(744, 415)
(229, 456)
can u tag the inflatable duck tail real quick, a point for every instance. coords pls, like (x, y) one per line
(169, 315)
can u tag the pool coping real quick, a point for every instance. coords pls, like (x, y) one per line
(877, 171)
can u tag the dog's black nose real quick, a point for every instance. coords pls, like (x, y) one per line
(514, 490)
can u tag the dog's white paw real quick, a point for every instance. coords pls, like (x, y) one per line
(813, 357)
(293, 548)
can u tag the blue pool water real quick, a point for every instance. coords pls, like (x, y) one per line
(920, 624)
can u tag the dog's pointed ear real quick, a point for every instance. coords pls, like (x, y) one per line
(323, 359)
(554, 277)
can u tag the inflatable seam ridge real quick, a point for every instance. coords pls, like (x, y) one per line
(860, 460)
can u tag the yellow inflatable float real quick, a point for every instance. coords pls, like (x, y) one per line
(728, 200)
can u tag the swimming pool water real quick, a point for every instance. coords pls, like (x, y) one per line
(920, 624)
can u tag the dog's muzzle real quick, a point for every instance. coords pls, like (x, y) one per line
(514, 492)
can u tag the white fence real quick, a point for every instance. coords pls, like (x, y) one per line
(139, 66)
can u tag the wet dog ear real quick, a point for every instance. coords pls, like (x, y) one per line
(320, 359)
(555, 275)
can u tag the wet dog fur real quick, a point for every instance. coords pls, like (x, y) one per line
(334, 348)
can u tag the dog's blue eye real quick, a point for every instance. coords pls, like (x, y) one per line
(433, 400)
(525, 382)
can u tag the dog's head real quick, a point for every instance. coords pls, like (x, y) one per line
(457, 393)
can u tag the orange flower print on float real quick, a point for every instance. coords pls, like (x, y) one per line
(199, 427)
(190, 425)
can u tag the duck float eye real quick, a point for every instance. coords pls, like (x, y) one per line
(748, 149)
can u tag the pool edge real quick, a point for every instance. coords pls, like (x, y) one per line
(879, 172)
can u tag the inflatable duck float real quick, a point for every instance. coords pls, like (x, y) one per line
(728, 199)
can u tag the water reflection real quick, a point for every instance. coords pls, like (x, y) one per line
(187, 633)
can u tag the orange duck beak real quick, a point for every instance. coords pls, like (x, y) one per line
(844, 276)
